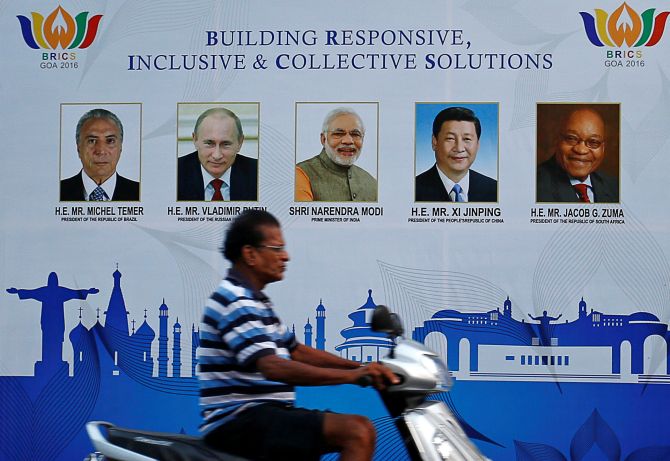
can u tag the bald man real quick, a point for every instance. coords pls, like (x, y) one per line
(571, 174)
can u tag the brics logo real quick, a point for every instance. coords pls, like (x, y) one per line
(624, 25)
(59, 29)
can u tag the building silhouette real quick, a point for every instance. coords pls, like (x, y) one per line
(321, 326)
(176, 349)
(308, 333)
(593, 343)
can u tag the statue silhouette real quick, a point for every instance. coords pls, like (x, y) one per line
(52, 319)
(545, 333)
(544, 319)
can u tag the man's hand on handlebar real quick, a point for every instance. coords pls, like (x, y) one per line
(375, 374)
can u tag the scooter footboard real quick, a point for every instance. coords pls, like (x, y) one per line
(437, 434)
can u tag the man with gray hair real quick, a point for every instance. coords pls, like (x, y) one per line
(331, 176)
(99, 136)
(216, 171)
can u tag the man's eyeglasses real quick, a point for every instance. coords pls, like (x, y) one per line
(572, 140)
(275, 248)
(339, 134)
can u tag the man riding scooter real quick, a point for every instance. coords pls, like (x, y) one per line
(249, 363)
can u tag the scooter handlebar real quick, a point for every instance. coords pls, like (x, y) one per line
(364, 381)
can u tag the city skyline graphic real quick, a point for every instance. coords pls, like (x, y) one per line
(140, 374)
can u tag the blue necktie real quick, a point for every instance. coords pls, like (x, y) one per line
(98, 195)
(457, 189)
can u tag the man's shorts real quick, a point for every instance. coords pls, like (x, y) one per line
(272, 431)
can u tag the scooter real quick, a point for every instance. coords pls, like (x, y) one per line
(429, 430)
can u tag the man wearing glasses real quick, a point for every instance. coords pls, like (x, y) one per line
(249, 362)
(332, 176)
(571, 174)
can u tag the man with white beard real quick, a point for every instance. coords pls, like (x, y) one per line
(331, 176)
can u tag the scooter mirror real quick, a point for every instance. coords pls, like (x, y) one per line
(398, 330)
(384, 321)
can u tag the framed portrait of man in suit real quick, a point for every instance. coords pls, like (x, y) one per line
(456, 152)
(218, 151)
(100, 152)
(577, 153)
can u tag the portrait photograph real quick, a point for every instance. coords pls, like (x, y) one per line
(100, 145)
(578, 153)
(217, 151)
(456, 152)
(336, 151)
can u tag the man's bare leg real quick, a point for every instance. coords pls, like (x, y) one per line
(353, 436)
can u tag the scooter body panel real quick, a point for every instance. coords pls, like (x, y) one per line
(438, 435)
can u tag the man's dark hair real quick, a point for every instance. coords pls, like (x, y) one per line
(98, 113)
(245, 230)
(459, 114)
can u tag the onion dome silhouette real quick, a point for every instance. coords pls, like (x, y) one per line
(77, 334)
(145, 333)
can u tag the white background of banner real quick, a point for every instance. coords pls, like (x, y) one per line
(624, 267)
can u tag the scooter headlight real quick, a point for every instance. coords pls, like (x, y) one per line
(439, 370)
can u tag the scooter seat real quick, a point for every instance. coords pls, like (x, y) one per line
(166, 447)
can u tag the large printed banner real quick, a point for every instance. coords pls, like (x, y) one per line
(495, 172)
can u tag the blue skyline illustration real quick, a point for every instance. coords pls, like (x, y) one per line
(116, 374)
(544, 341)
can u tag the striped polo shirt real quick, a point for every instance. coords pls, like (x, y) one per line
(238, 327)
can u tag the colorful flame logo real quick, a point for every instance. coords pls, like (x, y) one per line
(59, 29)
(624, 25)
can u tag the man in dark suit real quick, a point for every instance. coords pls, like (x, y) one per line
(99, 136)
(571, 175)
(455, 141)
(216, 171)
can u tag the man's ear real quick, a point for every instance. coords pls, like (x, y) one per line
(249, 255)
(434, 143)
(323, 139)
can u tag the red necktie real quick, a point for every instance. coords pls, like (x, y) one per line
(216, 184)
(581, 192)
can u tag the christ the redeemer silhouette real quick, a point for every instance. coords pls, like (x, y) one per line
(52, 320)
